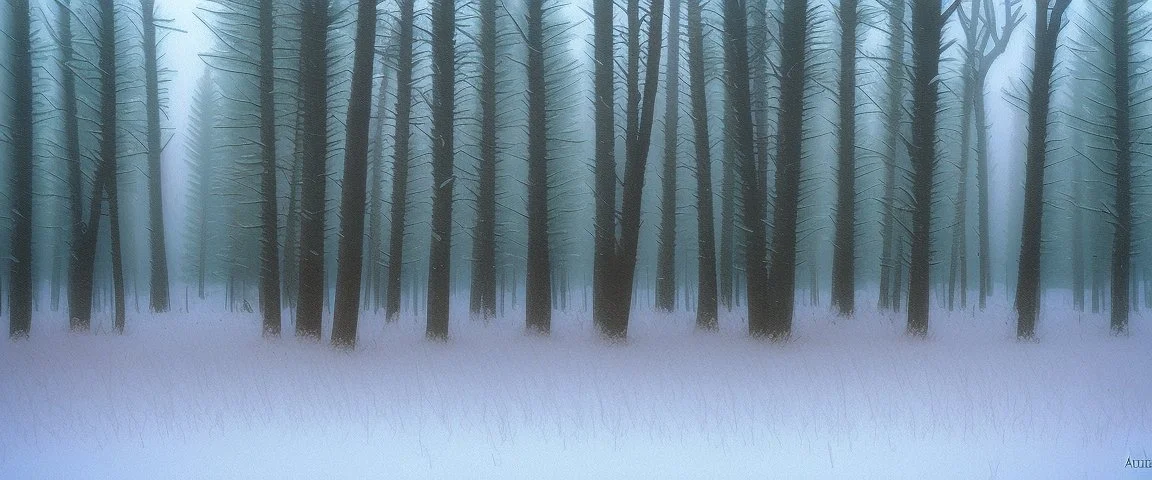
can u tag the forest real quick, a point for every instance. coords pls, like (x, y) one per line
(897, 174)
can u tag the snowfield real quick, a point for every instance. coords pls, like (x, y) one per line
(202, 395)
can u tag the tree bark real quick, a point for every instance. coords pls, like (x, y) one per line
(781, 284)
(666, 255)
(353, 195)
(269, 218)
(894, 120)
(314, 91)
(400, 158)
(1028, 278)
(538, 279)
(159, 299)
(844, 246)
(20, 288)
(1122, 136)
(443, 177)
(706, 285)
(604, 166)
(483, 290)
(926, 27)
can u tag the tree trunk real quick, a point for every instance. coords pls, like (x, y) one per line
(844, 246)
(269, 218)
(1122, 236)
(728, 220)
(666, 256)
(706, 285)
(777, 320)
(20, 288)
(1077, 234)
(958, 264)
(353, 195)
(374, 293)
(314, 108)
(443, 176)
(72, 153)
(604, 166)
(400, 159)
(159, 299)
(894, 119)
(982, 191)
(538, 280)
(760, 323)
(926, 27)
(1039, 98)
(483, 290)
(622, 274)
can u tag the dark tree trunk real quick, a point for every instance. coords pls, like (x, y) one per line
(160, 301)
(400, 160)
(291, 262)
(622, 271)
(443, 176)
(72, 153)
(1122, 136)
(844, 245)
(483, 290)
(893, 119)
(760, 321)
(1028, 279)
(374, 276)
(538, 279)
(353, 195)
(604, 166)
(758, 45)
(20, 289)
(269, 244)
(926, 28)
(706, 285)
(666, 256)
(314, 108)
(777, 320)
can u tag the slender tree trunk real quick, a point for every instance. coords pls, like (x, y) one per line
(777, 321)
(926, 27)
(760, 321)
(314, 90)
(353, 195)
(728, 220)
(443, 150)
(982, 190)
(666, 256)
(1122, 136)
(623, 271)
(538, 280)
(20, 288)
(374, 264)
(604, 167)
(1077, 235)
(269, 218)
(483, 289)
(844, 246)
(159, 299)
(72, 152)
(400, 158)
(894, 119)
(958, 264)
(1028, 278)
(706, 285)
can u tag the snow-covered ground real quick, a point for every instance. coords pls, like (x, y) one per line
(204, 396)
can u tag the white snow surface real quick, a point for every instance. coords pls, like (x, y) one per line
(204, 396)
